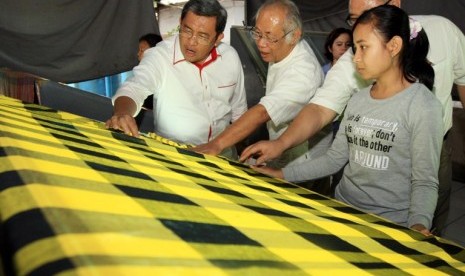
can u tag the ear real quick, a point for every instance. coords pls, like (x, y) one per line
(395, 45)
(218, 39)
(296, 36)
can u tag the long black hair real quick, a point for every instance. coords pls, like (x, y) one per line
(390, 21)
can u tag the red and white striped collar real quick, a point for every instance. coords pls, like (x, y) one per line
(179, 57)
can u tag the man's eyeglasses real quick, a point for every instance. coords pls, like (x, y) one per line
(269, 39)
(200, 38)
(351, 20)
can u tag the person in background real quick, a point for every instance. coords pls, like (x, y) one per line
(145, 42)
(197, 81)
(293, 76)
(447, 55)
(337, 43)
(387, 126)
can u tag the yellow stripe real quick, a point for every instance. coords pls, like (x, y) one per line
(45, 167)
(45, 196)
(105, 244)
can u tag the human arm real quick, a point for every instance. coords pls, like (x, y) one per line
(329, 100)
(426, 127)
(461, 92)
(122, 118)
(237, 131)
(334, 159)
(130, 97)
(311, 119)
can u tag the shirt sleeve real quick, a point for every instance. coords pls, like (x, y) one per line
(145, 80)
(292, 89)
(427, 133)
(459, 52)
(340, 83)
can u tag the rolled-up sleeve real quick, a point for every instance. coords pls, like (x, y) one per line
(340, 83)
(144, 81)
(290, 90)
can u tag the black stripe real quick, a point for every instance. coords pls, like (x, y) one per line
(223, 191)
(26, 227)
(261, 188)
(53, 267)
(10, 179)
(295, 204)
(155, 195)
(192, 174)
(270, 212)
(96, 154)
(118, 171)
(190, 153)
(330, 242)
(237, 264)
(196, 232)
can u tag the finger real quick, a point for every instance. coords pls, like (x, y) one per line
(113, 123)
(261, 159)
(133, 130)
(244, 155)
(426, 232)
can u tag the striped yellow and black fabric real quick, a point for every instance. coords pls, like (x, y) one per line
(77, 199)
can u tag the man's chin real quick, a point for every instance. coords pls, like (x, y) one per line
(265, 58)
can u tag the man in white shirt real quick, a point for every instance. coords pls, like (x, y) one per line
(294, 74)
(447, 54)
(196, 80)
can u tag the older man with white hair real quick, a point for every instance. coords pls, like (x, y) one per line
(293, 76)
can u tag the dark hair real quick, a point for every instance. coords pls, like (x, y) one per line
(151, 38)
(333, 35)
(209, 8)
(390, 21)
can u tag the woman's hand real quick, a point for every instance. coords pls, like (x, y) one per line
(278, 173)
(422, 229)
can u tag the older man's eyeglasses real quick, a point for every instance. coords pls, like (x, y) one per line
(269, 39)
(199, 38)
(350, 20)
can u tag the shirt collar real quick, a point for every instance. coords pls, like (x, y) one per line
(289, 57)
(179, 57)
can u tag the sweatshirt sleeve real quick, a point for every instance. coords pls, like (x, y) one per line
(331, 162)
(425, 149)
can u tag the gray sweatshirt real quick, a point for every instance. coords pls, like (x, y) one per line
(392, 147)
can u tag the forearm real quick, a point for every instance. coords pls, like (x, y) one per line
(461, 92)
(311, 119)
(124, 106)
(242, 127)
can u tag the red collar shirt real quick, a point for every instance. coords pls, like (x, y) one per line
(192, 103)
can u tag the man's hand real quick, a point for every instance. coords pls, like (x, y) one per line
(209, 148)
(422, 229)
(122, 119)
(263, 151)
(277, 173)
(123, 122)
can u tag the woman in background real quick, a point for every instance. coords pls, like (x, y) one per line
(337, 43)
